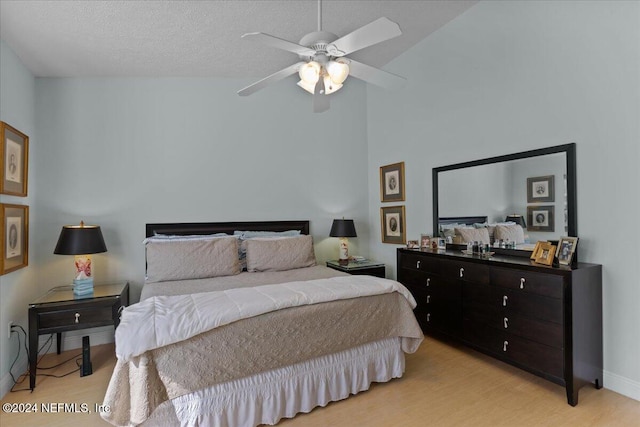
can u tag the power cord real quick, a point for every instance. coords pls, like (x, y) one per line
(49, 342)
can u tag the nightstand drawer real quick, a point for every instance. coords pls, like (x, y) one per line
(81, 317)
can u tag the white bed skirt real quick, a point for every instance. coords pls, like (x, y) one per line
(282, 393)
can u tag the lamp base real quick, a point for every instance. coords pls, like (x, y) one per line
(343, 261)
(83, 287)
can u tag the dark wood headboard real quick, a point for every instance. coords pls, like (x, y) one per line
(189, 228)
(462, 220)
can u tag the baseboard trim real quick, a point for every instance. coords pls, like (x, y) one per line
(622, 385)
(69, 342)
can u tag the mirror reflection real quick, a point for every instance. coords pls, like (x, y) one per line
(524, 196)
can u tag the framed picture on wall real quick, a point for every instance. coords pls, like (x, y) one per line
(14, 152)
(540, 218)
(392, 221)
(392, 182)
(540, 189)
(14, 235)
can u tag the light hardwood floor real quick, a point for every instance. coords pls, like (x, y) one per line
(444, 385)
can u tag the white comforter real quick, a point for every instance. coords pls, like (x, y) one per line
(162, 320)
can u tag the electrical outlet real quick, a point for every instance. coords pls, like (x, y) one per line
(9, 329)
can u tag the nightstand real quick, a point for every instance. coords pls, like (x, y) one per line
(60, 311)
(371, 268)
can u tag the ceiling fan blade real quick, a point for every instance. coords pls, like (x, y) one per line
(375, 32)
(280, 43)
(320, 100)
(376, 76)
(279, 75)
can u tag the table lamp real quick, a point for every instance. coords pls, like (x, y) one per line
(343, 228)
(82, 241)
(518, 219)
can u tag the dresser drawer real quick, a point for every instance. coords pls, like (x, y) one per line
(80, 316)
(415, 277)
(549, 285)
(470, 271)
(528, 353)
(416, 261)
(513, 302)
(444, 319)
(546, 333)
(478, 302)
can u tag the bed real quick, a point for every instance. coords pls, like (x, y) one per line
(284, 335)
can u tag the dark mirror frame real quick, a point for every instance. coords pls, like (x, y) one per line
(572, 194)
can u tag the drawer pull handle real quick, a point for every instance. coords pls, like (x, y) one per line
(428, 299)
(461, 272)
(504, 300)
(418, 264)
(504, 345)
(506, 323)
(522, 283)
(428, 281)
(120, 310)
(77, 317)
(428, 317)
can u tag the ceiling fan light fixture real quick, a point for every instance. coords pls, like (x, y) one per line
(309, 87)
(338, 71)
(330, 86)
(310, 73)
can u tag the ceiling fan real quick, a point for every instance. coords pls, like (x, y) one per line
(323, 67)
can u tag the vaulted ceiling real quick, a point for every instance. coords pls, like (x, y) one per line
(196, 38)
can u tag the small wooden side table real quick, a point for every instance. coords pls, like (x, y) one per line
(368, 267)
(59, 310)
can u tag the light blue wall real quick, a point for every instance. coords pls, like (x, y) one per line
(124, 152)
(511, 76)
(18, 288)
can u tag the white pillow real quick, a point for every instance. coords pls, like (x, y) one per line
(513, 233)
(279, 254)
(471, 234)
(180, 259)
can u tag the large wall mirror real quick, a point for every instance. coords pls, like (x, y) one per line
(539, 185)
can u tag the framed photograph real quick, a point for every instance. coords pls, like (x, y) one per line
(566, 249)
(425, 241)
(14, 235)
(546, 252)
(540, 189)
(392, 182)
(392, 221)
(540, 218)
(536, 250)
(413, 244)
(14, 152)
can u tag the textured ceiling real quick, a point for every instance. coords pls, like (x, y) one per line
(196, 38)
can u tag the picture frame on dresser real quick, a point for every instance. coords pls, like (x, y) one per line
(14, 152)
(565, 250)
(14, 237)
(536, 250)
(546, 253)
(392, 223)
(392, 183)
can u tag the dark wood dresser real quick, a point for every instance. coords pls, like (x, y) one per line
(542, 319)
